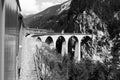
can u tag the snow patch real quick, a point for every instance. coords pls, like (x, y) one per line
(64, 7)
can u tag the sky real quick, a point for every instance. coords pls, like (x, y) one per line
(34, 6)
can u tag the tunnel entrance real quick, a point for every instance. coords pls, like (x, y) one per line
(60, 43)
(72, 43)
(86, 47)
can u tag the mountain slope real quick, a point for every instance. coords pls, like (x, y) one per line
(39, 19)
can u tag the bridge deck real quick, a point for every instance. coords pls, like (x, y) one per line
(35, 35)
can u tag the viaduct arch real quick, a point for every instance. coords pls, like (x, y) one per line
(72, 49)
(62, 43)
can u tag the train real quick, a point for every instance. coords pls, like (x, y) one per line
(10, 24)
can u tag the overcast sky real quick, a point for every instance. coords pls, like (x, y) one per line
(35, 6)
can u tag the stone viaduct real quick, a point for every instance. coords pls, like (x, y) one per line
(64, 39)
